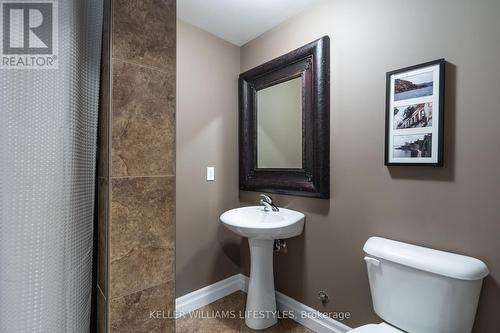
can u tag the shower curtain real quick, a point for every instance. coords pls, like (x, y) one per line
(48, 130)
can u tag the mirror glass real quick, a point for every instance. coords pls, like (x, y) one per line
(279, 125)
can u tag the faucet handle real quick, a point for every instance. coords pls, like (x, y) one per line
(268, 204)
(266, 198)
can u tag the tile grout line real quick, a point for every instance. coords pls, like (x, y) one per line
(143, 176)
(140, 65)
(143, 289)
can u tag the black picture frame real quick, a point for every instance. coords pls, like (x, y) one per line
(312, 63)
(414, 127)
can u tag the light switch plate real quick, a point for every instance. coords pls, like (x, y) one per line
(210, 174)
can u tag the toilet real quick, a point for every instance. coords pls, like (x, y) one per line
(420, 290)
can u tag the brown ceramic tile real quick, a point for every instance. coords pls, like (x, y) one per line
(148, 310)
(283, 325)
(103, 144)
(144, 32)
(143, 131)
(101, 313)
(102, 255)
(142, 233)
(203, 321)
(104, 113)
(104, 99)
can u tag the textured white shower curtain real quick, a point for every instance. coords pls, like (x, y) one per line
(48, 126)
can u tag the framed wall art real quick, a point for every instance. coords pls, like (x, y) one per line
(415, 115)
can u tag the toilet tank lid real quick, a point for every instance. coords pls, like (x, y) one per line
(438, 262)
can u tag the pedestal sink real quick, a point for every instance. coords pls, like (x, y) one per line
(262, 227)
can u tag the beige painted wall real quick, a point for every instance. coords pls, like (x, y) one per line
(454, 208)
(207, 129)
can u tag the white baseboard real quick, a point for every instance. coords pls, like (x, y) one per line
(209, 294)
(313, 319)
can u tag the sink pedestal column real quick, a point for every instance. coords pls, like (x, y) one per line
(261, 301)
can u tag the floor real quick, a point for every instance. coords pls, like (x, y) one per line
(208, 319)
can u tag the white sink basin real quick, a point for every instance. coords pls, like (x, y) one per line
(254, 222)
(262, 228)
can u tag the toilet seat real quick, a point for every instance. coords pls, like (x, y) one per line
(376, 328)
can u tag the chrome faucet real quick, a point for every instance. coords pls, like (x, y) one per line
(268, 204)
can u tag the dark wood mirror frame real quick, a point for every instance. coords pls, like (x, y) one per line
(312, 63)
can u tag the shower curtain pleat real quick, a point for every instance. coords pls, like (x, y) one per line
(48, 130)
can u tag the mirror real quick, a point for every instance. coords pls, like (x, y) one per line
(284, 123)
(279, 125)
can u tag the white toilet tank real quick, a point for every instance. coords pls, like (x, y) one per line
(421, 290)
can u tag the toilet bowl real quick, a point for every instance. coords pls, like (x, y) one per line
(421, 290)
